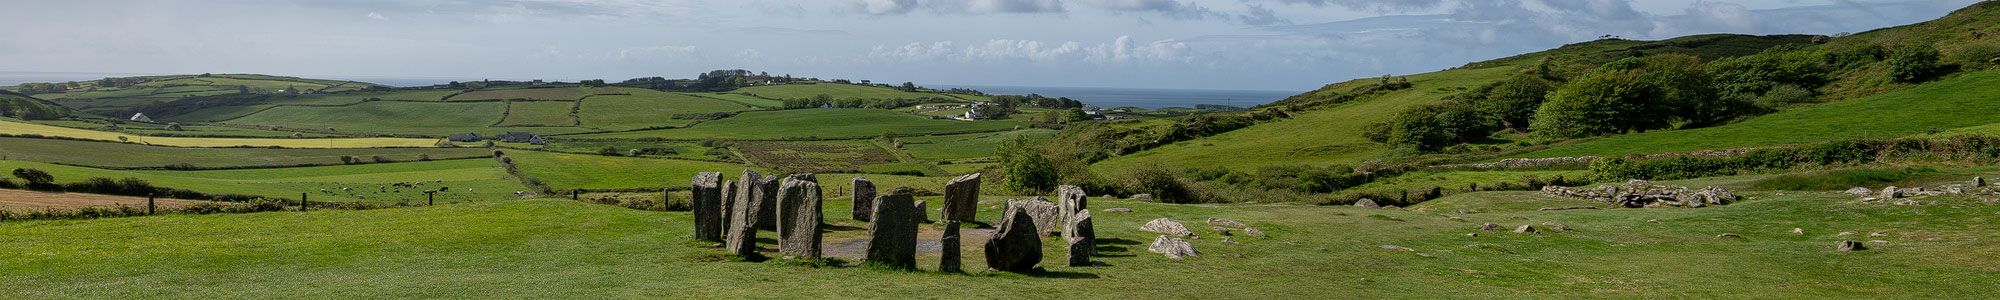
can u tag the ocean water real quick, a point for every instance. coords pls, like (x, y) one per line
(1142, 98)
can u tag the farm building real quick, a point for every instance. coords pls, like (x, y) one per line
(141, 117)
(522, 137)
(464, 137)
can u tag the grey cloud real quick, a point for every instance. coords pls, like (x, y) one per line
(901, 7)
(1260, 16)
(1377, 5)
(1166, 8)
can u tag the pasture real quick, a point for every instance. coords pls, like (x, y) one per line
(369, 182)
(125, 155)
(813, 123)
(383, 117)
(560, 170)
(19, 128)
(547, 93)
(539, 113)
(963, 146)
(648, 108)
(838, 91)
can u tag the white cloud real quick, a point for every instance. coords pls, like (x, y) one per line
(377, 16)
(1121, 51)
(900, 7)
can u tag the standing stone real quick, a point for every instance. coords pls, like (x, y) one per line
(948, 260)
(767, 195)
(922, 213)
(1082, 239)
(728, 204)
(1071, 200)
(1015, 247)
(892, 237)
(799, 217)
(707, 191)
(742, 239)
(864, 198)
(961, 198)
(1047, 217)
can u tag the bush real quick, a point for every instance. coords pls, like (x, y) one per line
(1914, 63)
(34, 177)
(1633, 94)
(1977, 55)
(1165, 184)
(1026, 167)
(1785, 95)
(608, 150)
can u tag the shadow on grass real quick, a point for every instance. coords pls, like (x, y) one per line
(832, 228)
(1106, 246)
(1043, 273)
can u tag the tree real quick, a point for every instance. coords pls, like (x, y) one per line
(909, 87)
(1514, 101)
(1913, 63)
(1027, 168)
(35, 177)
(1591, 106)
(1634, 94)
(608, 150)
(1076, 115)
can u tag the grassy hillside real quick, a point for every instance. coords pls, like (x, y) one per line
(823, 123)
(962, 146)
(20, 106)
(648, 108)
(483, 177)
(561, 170)
(554, 249)
(18, 128)
(384, 117)
(551, 93)
(124, 155)
(838, 91)
(540, 113)
(1967, 100)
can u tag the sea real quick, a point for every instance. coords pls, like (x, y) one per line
(1138, 97)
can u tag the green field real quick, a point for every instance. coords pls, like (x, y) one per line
(962, 146)
(838, 91)
(647, 108)
(551, 93)
(383, 117)
(539, 113)
(1318, 137)
(741, 98)
(156, 129)
(1965, 101)
(415, 95)
(558, 249)
(18, 128)
(123, 155)
(560, 170)
(692, 150)
(483, 176)
(217, 114)
(822, 123)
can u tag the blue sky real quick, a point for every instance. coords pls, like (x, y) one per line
(1211, 44)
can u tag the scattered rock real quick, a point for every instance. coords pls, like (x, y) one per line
(1231, 240)
(1365, 202)
(1472, 234)
(1639, 193)
(1860, 191)
(1167, 226)
(1173, 247)
(1253, 232)
(1654, 221)
(1851, 246)
(1016, 246)
(1223, 231)
(1557, 226)
(1566, 208)
(1798, 231)
(1225, 222)
(1143, 197)
(1118, 210)
(961, 198)
(1978, 181)
(1889, 193)
(1397, 248)
(1878, 241)
(1729, 236)
(892, 237)
(1490, 227)
(1844, 233)
(1526, 229)
(1878, 233)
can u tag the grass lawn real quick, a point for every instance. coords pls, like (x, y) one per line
(823, 123)
(562, 249)
(546, 113)
(838, 91)
(962, 146)
(18, 128)
(1964, 101)
(384, 117)
(564, 171)
(483, 177)
(647, 108)
(1319, 137)
(124, 155)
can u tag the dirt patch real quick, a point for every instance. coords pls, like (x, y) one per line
(21, 200)
(856, 248)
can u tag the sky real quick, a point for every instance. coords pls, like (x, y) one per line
(1199, 44)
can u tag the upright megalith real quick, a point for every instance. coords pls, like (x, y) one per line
(799, 216)
(767, 195)
(961, 198)
(707, 198)
(1016, 246)
(742, 240)
(1081, 237)
(728, 204)
(948, 248)
(864, 198)
(1071, 200)
(922, 213)
(1048, 218)
(892, 237)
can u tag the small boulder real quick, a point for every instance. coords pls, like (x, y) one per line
(1225, 222)
(1526, 229)
(1397, 248)
(1978, 181)
(1490, 227)
(1143, 197)
(1167, 226)
(1557, 226)
(1472, 234)
(1860, 191)
(1224, 231)
(1253, 232)
(1118, 210)
(1729, 236)
(1889, 193)
(1365, 202)
(1173, 247)
(1016, 246)
(1851, 246)
(1800, 231)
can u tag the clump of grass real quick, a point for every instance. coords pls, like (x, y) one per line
(1839, 180)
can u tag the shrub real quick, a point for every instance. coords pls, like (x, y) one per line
(1026, 167)
(36, 178)
(1913, 63)
(1165, 184)
(1785, 95)
(608, 150)
(1978, 55)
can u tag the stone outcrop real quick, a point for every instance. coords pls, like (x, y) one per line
(1365, 202)
(1167, 226)
(864, 198)
(1015, 246)
(892, 237)
(1173, 247)
(707, 200)
(799, 216)
(1047, 217)
(961, 198)
(1082, 239)
(1860, 191)
(742, 239)
(1639, 193)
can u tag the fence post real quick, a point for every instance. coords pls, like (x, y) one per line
(302, 202)
(430, 198)
(149, 204)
